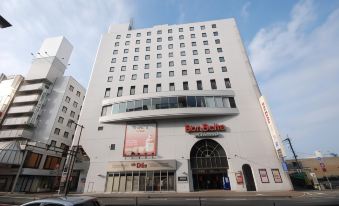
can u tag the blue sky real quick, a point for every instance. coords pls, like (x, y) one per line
(292, 45)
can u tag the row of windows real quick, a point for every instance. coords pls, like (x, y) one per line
(169, 103)
(72, 114)
(170, 63)
(61, 121)
(57, 132)
(171, 87)
(71, 88)
(159, 74)
(68, 99)
(159, 47)
(33, 161)
(181, 29)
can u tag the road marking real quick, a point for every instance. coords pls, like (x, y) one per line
(319, 193)
(157, 199)
(259, 194)
(235, 199)
(192, 199)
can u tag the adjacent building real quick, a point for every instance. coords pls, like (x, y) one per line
(37, 115)
(176, 108)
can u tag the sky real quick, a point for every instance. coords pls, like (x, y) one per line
(293, 48)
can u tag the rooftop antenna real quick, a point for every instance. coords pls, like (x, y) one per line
(131, 24)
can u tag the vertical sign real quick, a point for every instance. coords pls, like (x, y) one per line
(140, 140)
(272, 128)
(276, 176)
(264, 176)
(319, 157)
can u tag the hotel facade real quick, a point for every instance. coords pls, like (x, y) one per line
(176, 108)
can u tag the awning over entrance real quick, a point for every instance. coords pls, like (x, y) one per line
(10, 153)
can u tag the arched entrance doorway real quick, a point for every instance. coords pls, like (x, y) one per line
(209, 165)
(248, 175)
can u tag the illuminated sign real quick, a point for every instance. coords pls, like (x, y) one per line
(205, 130)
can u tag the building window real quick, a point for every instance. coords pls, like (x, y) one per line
(195, 52)
(213, 84)
(148, 33)
(217, 41)
(69, 123)
(202, 27)
(158, 88)
(171, 63)
(148, 48)
(118, 37)
(221, 59)
(199, 85)
(159, 39)
(207, 51)
(148, 40)
(145, 90)
(170, 46)
(127, 43)
(75, 104)
(116, 44)
(66, 134)
(159, 47)
(181, 36)
(192, 36)
(52, 163)
(210, 70)
(224, 69)
(32, 160)
(182, 45)
(135, 67)
(159, 65)
(159, 32)
(104, 110)
(215, 33)
(146, 66)
(72, 114)
(191, 28)
(61, 120)
(115, 52)
(158, 74)
(78, 93)
(67, 99)
(136, 58)
(181, 29)
(185, 85)
(171, 73)
(169, 31)
(146, 75)
(107, 92)
(204, 35)
(182, 53)
(205, 42)
(123, 68)
(64, 109)
(57, 131)
(170, 54)
(119, 93)
(138, 34)
(227, 83)
(134, 76)
(147, 57)
(124, 59)
(170, 38)
(183, 62)
(71, 88)
(232, 102)
(122, 78)
(137, 49)
(125, 51)
(214, 26)
(197, 71)
(159, 56)
(110, 79)
(208, 60)
(196, 61)
(111, 69)
(132, 90)
(194, 43)
(184, 72)
(171, 87)
(128, 35)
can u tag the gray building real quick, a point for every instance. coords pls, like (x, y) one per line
(176, 108)
(36, 122)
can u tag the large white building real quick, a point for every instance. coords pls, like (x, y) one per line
(176, 108)
(36, 120)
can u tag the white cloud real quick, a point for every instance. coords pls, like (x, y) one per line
(82, 22)
(244, 10)
(298, 68)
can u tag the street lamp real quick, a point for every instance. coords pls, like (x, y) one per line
(72, 157)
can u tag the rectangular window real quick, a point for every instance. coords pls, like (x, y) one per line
(159, 47)
(127, 43)
(146, 66)
(182, 102)
(194, 43)
(138, 34)
(115, 108)
(170, 38)
(146, 104)
(132, 90)
(158, 88)
(208, 60)
(191, 101)
(184, 72)
(217, 41)
(64, 109)
(196, 61)
(159, 56)
(72, 114)
(169, 31)
(137, 49)
(158, 74)
(182, 45)
(224, 69)
(202, 27)
(159, 32)
(134, 76)
(32, 160)
(191, 28)
(171, 73)
(125, 51)
(201, 102)
(122, 78)
(78, 93)
(170, 54)
(107, 92)
(183, 62)
(210, 102)
(197, 71)
(146, 75)
(173, 102)
(148, 48)
(75, 104)
(145, 90)
(156, 102)
(71, 88)
(195, 52)
(213, 84)
(170, 46)
(205, 42)
(148, 40)
(159, 65)
(171, 63)
(215, 33)
(227, 83)
(204, 35)
(66, 134)
(109, 78)
(159, 39)
(122, 107)
(52, 163)
(124, 59)
(116, 44)
(221, 59)
(123, 68)
(214, 26)
(232, 102)
(138, 105)
(147, 57)
(61, 120)
(130, 106)
(114, 60)
(57, 131)
(218, 102)
(137, 41)
(207, 51)
(115, 52)
(128, 35)
(136, 58)
(119, 93)
(185, 85)
(192, 36)
(135, 67)
(182, 53)
(118, 37)
(69, 123)
(210, 70)
(148, 33)
(199, 85)
(181, 36)
(181, 29)
(171, 87)
(111, 69)
(67, 99)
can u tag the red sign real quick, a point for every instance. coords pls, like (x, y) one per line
(239, 178)
(267, 116)
(205, 128)
(139, 165)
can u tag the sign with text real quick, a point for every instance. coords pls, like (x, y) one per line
(140, 140)
(263, 176)
(205, 130)
(276, 176)
(146, 165)
(239, 178)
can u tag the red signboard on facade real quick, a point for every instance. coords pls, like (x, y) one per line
(205, 128)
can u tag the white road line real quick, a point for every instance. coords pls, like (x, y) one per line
(192, 199)
(157, 199)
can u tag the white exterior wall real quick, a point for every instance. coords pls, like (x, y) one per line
(247, 140)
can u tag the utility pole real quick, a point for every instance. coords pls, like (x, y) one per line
(294, 155)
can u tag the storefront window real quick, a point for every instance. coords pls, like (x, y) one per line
(210, 101)
(173, 102)
(129, 182)
(146, 104)
(201, 102)
(164, 103)
(149, 181)
(163, 181)
(32, 160)
(122, 107)
(142, 181)
(156, 184)
(135, 181)
(191, 102)
(138, 105)
(155, 103)
(130, 106)
(115, 109)
(52, 163)
(218, 102)
(182, 102)
(171, 181)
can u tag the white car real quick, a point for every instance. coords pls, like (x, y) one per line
(65, 201)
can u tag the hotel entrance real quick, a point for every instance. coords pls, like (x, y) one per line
(209, 165)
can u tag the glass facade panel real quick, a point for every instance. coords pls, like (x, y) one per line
(164, 103)
(156, 181)
(122, 107)
(149, 181)
(171, 180)
(138, 105)
(146, 104)
(201, 102)
(226, 102)
(129, 182)
(142, 181)
(232, 102)
(218, 102)
(130, 106)
(156, 103)
(191, 102)
(182, 101)
(173, 102)
(163, 181)
(210, 101)
(115, 109)
(135, 181)
(122, 184)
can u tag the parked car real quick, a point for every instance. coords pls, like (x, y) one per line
(65, 201)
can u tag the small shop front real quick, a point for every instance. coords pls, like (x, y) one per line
(148, 175)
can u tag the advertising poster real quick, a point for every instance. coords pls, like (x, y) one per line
(140, 139)
(276, 176)
(263, 176)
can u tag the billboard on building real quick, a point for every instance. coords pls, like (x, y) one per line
(140, 139)
(272, 128)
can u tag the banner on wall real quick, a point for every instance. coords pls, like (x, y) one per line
(263, 176)
(140, 139)
(276, 176)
